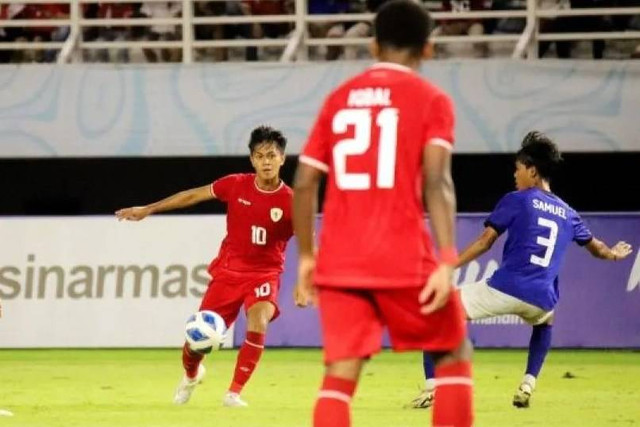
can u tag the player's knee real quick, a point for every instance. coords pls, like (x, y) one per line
(348, 369)
(463, 353)
(258, 323)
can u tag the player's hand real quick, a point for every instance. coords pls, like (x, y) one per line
(133, 214)
(304, 292)
(621, 250)
(0, 308)
(436, 292)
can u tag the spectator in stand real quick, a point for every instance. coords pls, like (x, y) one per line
(354, 30)
(270, 30)
(219, 32)
(328, 29)
(554, 25)
(591, 23)
(507, 25)
(60, 33)
(161, 31)
(5, 33)
(112, 33)
(472, 27)
(44, 34)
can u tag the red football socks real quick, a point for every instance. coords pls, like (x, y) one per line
(248, 358)
(334, 402)
(190, 361)
(453, 404)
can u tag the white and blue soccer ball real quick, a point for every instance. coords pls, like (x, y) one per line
(205, 331)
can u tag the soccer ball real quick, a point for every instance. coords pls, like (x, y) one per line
(205, 331)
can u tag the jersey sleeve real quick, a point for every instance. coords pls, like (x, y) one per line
(222, 188)
(440, 122)
(503, 214)
(317, 151)
(581, 233)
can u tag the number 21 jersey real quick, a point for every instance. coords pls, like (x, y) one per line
(369, 138)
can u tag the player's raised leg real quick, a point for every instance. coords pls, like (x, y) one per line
(539, 346)
(258, 317)
(194, 372)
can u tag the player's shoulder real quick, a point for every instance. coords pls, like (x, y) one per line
(516, 195)
(286, 189)
(433, 90)
(560, 201)
(240, 177)
(341, 92)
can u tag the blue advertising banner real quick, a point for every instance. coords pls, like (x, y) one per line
(599, 300)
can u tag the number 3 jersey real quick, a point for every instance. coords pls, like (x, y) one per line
(258, 225)
(369, 138)
(540, 227)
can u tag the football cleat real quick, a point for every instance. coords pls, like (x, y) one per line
(187, 385)
(522, 396)
(232, 400)
(423, 401)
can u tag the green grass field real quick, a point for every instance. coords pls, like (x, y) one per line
(134, 388)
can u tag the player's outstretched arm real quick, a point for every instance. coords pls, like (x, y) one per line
(179, 200)
(599, 249)
(305, 199)
(482, 244)
(440, 200)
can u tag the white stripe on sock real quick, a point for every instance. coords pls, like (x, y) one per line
(253, 344)
(454, 381)
(332, 394)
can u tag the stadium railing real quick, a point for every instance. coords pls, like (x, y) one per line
(295, 46)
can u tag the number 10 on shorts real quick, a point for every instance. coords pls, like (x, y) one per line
(263, 290)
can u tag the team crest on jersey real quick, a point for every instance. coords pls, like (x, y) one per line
(276, 214)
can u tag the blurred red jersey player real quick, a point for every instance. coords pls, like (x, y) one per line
(251, 257)
(384, 138)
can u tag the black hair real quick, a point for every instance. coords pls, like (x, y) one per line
(267, 134)
(540, 151)
(402, 24)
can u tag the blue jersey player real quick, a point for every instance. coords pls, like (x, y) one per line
(540, 227)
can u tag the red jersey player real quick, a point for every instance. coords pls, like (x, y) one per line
(251, 257)
(384, 138)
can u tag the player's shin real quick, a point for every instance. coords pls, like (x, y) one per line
(333, 407)
(429, 367)
(190, 361)
(453, 404)
(539, 346)
(248, 357)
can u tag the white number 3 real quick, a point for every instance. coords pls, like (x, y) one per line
(548, 242)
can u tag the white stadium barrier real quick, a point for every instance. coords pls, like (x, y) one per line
(299, 40)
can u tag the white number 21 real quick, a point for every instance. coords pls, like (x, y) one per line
(548, 242)
(360, 119)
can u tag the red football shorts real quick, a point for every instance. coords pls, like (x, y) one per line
(353, 320)
(228, 291)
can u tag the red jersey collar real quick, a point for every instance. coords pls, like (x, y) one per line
(255, 184)
(392, 66)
